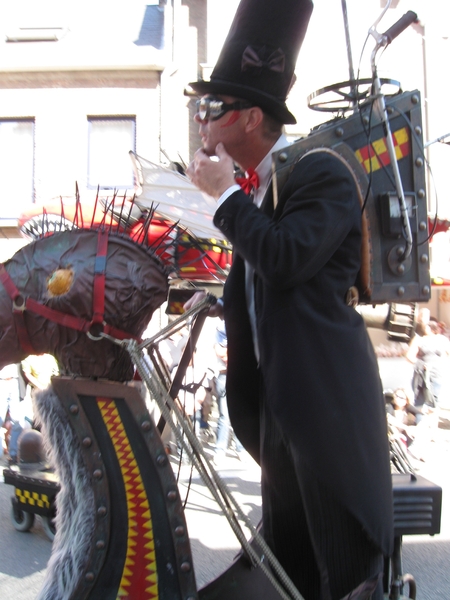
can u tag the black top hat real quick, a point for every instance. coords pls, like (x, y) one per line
(258, 58)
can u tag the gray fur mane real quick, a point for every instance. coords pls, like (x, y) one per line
(75, 501)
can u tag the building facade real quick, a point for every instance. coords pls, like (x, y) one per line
(82, 84)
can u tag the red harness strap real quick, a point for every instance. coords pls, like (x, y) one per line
(20, 305)
(19, 308)
(73, 322)
(98, 296)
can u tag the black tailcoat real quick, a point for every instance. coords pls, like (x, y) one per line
(317, 361)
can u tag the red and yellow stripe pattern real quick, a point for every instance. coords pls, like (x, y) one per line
(139, 576)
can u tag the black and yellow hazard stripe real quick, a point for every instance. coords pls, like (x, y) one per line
(33, 498)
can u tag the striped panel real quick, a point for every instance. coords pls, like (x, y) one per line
(139, 576)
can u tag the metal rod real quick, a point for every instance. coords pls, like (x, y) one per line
(351, 70)
(441, 139)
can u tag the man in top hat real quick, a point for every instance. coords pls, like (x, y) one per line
(303, 386)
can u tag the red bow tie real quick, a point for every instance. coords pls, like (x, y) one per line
(249, 182)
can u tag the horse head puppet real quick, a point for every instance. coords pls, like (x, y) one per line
(64, 289)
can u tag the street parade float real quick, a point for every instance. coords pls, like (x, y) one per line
(84, 290)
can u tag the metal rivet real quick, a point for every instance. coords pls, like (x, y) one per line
(74, 409)
(339, 132)
(419, 162)
(179, 531)
(426, 290)
(101, 511)
(19, 301)
(401, 291)
(400, 251)
(89, 576)
(423, 226)
(283, 157)
(161, 460)
(172, 495)
(87, 442)
(401, 269)
(421, 193)
(146, 425)
(418, 130)
(100, 545)
(415, 99)
(98, 474)
(389, 110)
(185, 566)
(366, 120)
(424, 258)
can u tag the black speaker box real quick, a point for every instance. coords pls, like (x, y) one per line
(417, 505)
(360, 139)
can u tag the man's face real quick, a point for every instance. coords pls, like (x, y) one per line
(219, 119)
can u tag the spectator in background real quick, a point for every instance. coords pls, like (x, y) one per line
(429, 353)
(442, 326)
(402, 414)
(16, 412)
(224, 431)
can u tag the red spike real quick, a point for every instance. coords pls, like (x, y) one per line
(77, 202)
(62, 208)
(95, 208)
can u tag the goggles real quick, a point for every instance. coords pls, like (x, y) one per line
(213, 109)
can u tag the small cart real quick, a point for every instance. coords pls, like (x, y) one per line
(36, 487)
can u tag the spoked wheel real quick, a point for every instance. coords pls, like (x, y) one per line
(344, 96)
(49, 527)
(22, 521)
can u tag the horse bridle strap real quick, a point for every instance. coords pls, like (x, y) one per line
(18, 311)
(92, 328)
(98, 297)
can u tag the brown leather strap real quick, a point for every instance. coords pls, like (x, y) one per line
(366, 242)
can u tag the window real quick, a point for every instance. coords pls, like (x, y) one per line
(16, 166)
(36, 34)
(109, 164)
(31, 21)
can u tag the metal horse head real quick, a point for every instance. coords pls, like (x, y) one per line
(59, 293)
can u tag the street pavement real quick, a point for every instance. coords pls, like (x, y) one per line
(23, 556)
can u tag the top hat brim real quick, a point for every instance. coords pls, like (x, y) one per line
(272, 106)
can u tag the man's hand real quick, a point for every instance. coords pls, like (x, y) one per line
(212, 177)
(215, 310)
